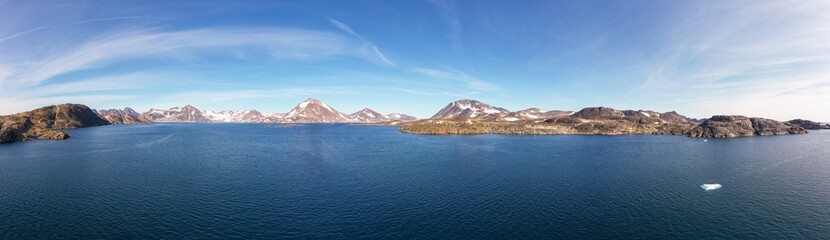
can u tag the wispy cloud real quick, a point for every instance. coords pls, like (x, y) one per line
(36, 29)
(344, 27)
(39, 67)
(348, 29)
(455, 75)
(179, 45)
(763, 59)
(383, 57)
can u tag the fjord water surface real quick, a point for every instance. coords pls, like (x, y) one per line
(250, 181)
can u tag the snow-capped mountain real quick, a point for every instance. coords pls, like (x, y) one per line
(534, 113)
(308, 111)
(367, 115)
(527, 114)
(482, 112)
(184, 114)
(244, 116)
(313, 111)
(122, 116)
(470, 109)
(400, 117)
(131, 112)
(221, 116)
(273, 118)
(657, 117)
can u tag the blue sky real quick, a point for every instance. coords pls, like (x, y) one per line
(758, 58)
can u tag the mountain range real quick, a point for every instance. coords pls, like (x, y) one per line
(122, 116)
(309, 111)
(459, 117)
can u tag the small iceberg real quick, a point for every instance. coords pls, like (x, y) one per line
(710, 186)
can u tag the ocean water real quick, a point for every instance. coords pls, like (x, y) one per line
(250, 181)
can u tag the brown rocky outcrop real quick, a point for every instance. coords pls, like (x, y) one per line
(722, 126)
(599, 112)
(809, 125)
(46, 122)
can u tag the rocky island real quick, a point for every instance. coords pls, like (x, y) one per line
(474, 117)
(809, 125)
(739, 126)
(47, 122)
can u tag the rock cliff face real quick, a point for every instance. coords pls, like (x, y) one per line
(809, 125)
(122, 116)
(46, 122)
(721, 126)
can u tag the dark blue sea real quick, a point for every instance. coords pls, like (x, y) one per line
(255, 181)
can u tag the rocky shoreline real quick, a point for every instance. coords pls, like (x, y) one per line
(552, 127)
(736, 126)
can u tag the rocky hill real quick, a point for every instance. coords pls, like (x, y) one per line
(401, 117)
(367, 115)
(532, 114)
(46, 122)
(122, 116)
(809, 125)
(599, 113)
(721, 126)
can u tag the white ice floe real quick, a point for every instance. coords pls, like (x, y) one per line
(710, 186)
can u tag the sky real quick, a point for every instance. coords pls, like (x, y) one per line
(699, 57)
